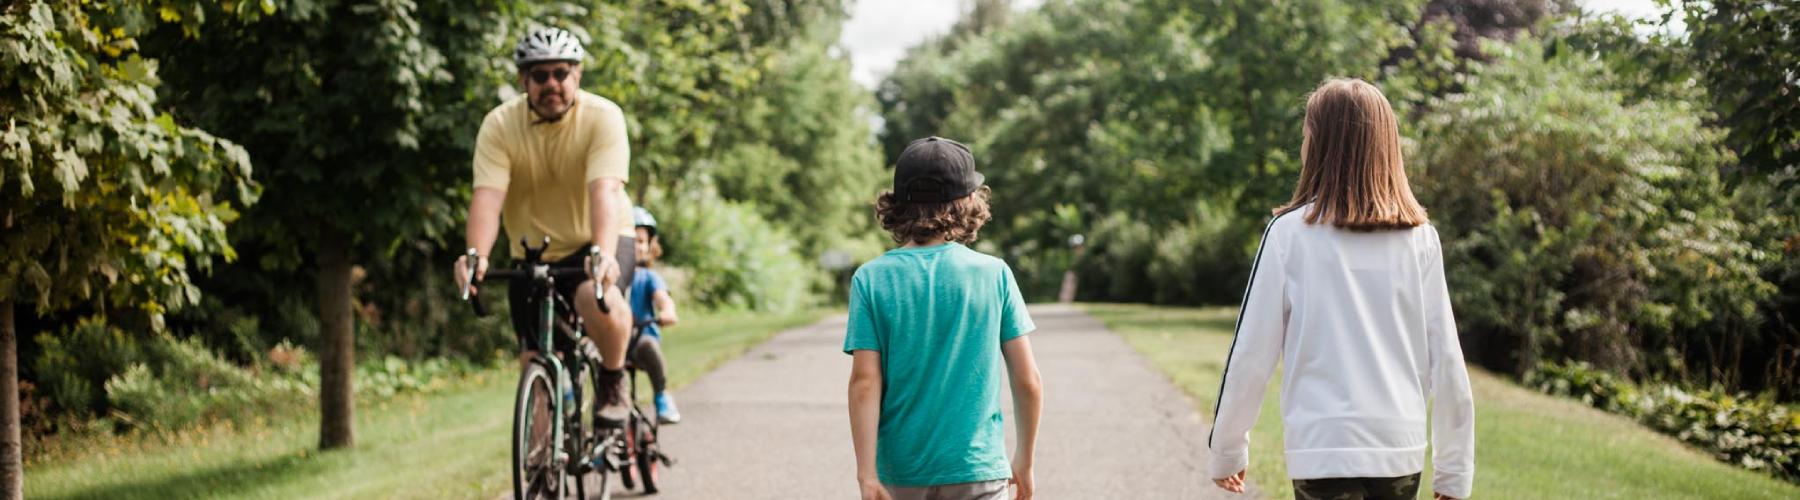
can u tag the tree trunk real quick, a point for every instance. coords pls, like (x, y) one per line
(337, 349)
(12, 472)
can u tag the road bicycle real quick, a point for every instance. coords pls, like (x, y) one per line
(557, 442)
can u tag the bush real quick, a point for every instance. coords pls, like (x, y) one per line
(191, 384)
(1756, 433)
(1204, 259)
(185, 384)
(1200, 260)
(95, 370)
(394, 376)
(407, 306)
(735, 259)
(1583, 224)
(73, 365)
(1119, 251)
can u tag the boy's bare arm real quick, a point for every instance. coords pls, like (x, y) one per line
(1028, 397)
(865, 413)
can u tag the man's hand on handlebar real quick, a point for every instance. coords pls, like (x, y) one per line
(603, 268)
(463, 281)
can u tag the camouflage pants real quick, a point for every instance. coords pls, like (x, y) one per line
(1357, 488)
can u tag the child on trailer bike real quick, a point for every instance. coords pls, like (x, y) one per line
(653, 308)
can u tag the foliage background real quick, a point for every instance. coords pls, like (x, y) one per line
(1611, 192)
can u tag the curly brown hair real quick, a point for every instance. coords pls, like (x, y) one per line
(958, 220)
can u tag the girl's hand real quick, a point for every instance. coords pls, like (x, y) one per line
(1233, 483)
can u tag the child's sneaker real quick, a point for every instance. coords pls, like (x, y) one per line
(665, 409)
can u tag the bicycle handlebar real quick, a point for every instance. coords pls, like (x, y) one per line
(515, 274)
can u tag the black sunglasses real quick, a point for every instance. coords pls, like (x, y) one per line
(542, 77)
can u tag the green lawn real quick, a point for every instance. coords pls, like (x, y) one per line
(1528, 445)
(450, 444)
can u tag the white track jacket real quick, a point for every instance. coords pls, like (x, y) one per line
(1362, 323)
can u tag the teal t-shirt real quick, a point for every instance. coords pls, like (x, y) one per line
(938, 316)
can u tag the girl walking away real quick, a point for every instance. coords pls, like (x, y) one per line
(1348, 292)
(653, 308)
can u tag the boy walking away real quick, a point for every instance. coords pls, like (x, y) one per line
(931, 324)
(1348, 293)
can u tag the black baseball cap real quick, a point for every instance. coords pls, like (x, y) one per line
(935, 170)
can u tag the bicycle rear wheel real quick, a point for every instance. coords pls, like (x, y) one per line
(536, 473)
(628, 455)
(648, 463)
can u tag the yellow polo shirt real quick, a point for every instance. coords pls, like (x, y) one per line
(545, 169)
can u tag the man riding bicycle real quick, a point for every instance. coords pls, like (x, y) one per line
(553, 161)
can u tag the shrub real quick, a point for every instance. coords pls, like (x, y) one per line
(186, 384)
(190, 384)
(1585, 224)
(1204, 259)
(73, 365)
(1756, 433)
(734, 258)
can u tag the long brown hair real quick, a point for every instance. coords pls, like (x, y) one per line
(1351, 168)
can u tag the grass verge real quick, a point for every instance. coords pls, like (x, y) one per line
(449, 444)
(1528, 445)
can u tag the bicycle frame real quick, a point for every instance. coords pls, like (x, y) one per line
(537, 273)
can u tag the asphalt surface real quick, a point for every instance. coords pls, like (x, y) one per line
(773, 423)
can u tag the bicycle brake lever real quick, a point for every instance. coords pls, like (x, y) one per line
(472, 264)
(474, 300)
(594, 272)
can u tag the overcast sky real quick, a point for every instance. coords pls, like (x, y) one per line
(880, 31)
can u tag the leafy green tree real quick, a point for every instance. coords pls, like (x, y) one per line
(1085, 109)
(743, 100)
(1588, 226)
(361, 117)
(916, 97)
(1719, 59)
(802, 152)
(1744, 52)
(106, 202)
(1748, 50)
(681, 71)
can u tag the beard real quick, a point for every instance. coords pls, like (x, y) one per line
(549, 111)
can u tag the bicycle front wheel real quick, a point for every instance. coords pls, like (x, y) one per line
(597, 483)
(535, 471)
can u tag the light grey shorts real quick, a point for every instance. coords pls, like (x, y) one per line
(978, 490)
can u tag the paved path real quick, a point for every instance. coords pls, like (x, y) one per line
(773, 423)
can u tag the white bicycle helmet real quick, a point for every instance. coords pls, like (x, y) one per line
(642, 218)
(547, 44)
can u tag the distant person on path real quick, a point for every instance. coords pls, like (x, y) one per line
(653, 308)
(930, 325)
(1347, 291)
